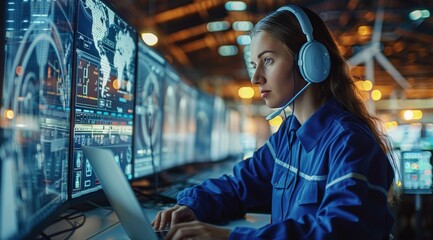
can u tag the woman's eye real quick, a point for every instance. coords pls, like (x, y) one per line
(267, 61)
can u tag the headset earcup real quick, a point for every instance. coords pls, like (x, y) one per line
(314, 62)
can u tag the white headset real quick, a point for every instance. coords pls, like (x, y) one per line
(313, 58)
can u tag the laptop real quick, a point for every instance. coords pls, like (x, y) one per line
(120, 194)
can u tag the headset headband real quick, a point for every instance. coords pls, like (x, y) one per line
(303, 19)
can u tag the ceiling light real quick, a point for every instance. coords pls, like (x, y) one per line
(366, 85)
(417, 114)
(364, 30)
(228, 50)
(407, 115)
(235, 6)
(376, 95)
(412, 114)
(9, 114)
(417, 14)
(243, 26)
(391, 125)
(243, 40)
(246, 92)
(425, 13)
(149, 38)
(218, 26)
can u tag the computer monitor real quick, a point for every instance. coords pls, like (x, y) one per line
(169, 156)
(179, 121)
(36, 62)
(416, 167)
(219, 145)
(186, 124)
(148, 111)
(427, 136)
(204, 123)
(105, 59)
(234, 132)
(406, 136)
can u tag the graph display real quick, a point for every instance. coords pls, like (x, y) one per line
(104, 90)
(35, 113)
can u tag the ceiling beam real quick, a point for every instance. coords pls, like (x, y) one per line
(176, 13)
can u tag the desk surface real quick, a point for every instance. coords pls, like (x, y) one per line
(102, 223)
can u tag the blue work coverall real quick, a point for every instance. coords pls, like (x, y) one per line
(326, 179)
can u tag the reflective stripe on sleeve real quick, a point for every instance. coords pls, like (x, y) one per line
(359, 177)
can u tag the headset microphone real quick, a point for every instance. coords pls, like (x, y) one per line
(313, 58)
(276, 113)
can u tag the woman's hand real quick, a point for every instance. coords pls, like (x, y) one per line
(197, 230)
(169, 217)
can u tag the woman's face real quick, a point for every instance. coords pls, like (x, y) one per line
(273, 69)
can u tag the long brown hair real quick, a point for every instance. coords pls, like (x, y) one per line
(339, 85)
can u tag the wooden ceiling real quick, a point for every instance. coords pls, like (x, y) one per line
(193, 50)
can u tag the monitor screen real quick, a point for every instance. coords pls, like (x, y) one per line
(234, 131)
(406, 136)
(186, 130)
(219, 144)
(169, 156)
(416, 167)
(148, 111)
(35, 113)
(427, 137)
(104, 91)
(179, 121)
(204, 123)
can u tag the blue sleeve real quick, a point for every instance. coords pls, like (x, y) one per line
(354, 205)
(232, 196)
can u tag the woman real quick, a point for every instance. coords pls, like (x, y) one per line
(326, 168)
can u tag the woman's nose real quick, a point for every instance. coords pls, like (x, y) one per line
(257, 78)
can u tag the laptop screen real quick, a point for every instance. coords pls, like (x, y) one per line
(119, 193)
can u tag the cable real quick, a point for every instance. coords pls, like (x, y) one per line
(71, 230)
(44, 236)
(288, 170)
(290, 141)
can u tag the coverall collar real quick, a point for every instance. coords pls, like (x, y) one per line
(314, 128)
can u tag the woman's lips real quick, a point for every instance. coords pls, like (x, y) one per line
(264, 93)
